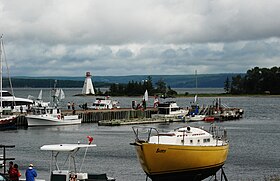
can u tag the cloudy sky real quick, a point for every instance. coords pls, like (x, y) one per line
(128, 37)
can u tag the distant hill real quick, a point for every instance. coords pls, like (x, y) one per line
(174, 81)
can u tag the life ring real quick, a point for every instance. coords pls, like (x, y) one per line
(58, 116)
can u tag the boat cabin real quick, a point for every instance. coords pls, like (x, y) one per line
(169, 109)
(104, 103)
(45, 110)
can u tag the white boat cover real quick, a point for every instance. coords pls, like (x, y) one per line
(65, 147)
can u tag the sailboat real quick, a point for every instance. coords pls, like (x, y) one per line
(52, 115)
(185, 153)
(6, 121)
(38, 102)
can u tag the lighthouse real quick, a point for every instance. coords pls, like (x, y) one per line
(88, 87)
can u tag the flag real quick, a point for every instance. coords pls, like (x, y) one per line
(90, 139)
(146, 96)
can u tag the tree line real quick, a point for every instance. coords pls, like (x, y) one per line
(255, 81)
(135, 88)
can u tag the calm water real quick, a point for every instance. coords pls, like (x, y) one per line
(254, 140)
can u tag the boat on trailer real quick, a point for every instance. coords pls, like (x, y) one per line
(186, 153)
(71, 172)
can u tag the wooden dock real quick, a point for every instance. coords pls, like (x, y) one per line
(125, 116)
(94, 116)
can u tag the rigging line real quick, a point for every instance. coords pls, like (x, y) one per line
(8, 73)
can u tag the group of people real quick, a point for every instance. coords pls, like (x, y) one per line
(14, 173)
(69, 105)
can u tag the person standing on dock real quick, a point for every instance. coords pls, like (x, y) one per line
(21, 109)
(30, 173)
(11, 165)
(68, 105)
(15, 173)
(73, 106)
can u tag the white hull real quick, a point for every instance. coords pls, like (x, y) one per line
(42, 120)
(196, 118)
(172, 115)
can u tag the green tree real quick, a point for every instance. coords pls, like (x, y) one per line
(237, 85)
(161, 86)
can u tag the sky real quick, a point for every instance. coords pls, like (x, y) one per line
(146, 37)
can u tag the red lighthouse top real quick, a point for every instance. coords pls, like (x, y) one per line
(88, 74)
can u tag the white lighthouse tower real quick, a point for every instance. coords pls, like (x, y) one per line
(88, 87)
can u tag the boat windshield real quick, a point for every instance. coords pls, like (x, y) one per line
(163, 111)
(6, 94)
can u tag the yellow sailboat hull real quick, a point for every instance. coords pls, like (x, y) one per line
(163, 161)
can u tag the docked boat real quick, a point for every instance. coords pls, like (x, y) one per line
(70, 171)
(8, 122)
(187, 153)
(169, 109)
(196, 117)
(51, 115)
(9, 102)
(13, 103)
(104, 103)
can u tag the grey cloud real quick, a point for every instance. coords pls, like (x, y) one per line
(67, 37)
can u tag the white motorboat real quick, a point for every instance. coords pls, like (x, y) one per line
(10, 102)
(170, 109)
(51, 115)
(196, 117)
(104, 103)
(70, 171)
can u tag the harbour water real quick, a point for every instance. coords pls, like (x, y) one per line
(254, 140)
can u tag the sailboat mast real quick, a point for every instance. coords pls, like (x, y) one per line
(196, 82)
(1, 73)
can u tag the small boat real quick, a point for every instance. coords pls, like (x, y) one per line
(169, 109)
(104, 103)
(187, 153)
(196, 117)
(51, 115)
(71, 172)
(209, 119)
